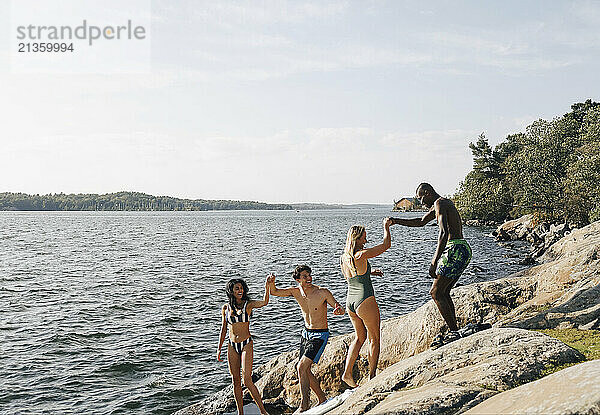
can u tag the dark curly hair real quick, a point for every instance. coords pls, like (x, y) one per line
(229, 291)
(299, 269)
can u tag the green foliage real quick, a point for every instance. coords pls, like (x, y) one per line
(551, 170)
(582, 184)
(123, 201)
(509, 147)
(482, 197)
(483, 193)
(581, 109)
(591, 126)
(535, 172)
(485, 161)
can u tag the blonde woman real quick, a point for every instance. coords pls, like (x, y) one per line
(360, 303)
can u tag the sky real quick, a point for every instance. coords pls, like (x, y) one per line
(297, 101)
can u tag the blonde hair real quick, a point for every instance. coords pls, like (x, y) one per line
(347, 257)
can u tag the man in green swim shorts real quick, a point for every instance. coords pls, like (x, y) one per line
(451, 257)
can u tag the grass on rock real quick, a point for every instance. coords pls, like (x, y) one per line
(587, 342)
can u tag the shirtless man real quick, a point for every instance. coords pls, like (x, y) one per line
(313, 302)
(453, 251)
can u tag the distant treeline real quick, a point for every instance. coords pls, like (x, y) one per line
(551, 170)
(124, 201)
(316, 206)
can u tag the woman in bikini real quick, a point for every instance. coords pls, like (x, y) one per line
(360, 303)
(236, 314)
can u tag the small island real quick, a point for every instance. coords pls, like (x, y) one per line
(124, 201)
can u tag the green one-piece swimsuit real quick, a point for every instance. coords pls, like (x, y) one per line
(360, 288)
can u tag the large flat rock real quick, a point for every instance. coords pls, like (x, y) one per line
(575, 390)
(463, 372)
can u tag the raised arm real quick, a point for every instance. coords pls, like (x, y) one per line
(258, 304)
(416, 222)
(223, 332)
(280, 292)
(381, 248)
(442, 238)
(338, 310)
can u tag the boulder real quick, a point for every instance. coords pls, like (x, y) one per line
(541, 236)
(515, 229)
(538, 233)
(574, 390)
(581, 311)
(465, 371)
(565, 291)
(432, 398)
(480, 222)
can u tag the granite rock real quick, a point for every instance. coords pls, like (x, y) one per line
(469, 369)
(574, 390)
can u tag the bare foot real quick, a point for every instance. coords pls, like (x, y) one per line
(349, 381)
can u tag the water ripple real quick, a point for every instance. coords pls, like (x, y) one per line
(119, 312)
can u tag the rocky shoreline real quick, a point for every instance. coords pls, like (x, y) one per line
(541, 236)
(563, 291)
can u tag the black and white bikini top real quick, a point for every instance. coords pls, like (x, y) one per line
(232, 318)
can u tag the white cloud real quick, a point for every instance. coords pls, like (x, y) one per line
(243, 47)
(500, 49)
(268, 12)
(432, 140)
(312, 164)
(587, 11)
(521, 122)
(478, 43)
(294, 59)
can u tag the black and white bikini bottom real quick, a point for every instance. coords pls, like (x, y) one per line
(238, 347)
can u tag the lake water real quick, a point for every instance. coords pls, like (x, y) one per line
(118, 312)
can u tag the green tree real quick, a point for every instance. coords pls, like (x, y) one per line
(508, 148)
(481, 197)
(535, 173)
(582, 185)
(483, 193)
(550, 170)
(484, 159)
(580, 109)
(591, 126)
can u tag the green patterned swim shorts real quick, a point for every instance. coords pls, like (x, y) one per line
(455, 259)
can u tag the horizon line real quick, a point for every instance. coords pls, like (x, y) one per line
(208, 199)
